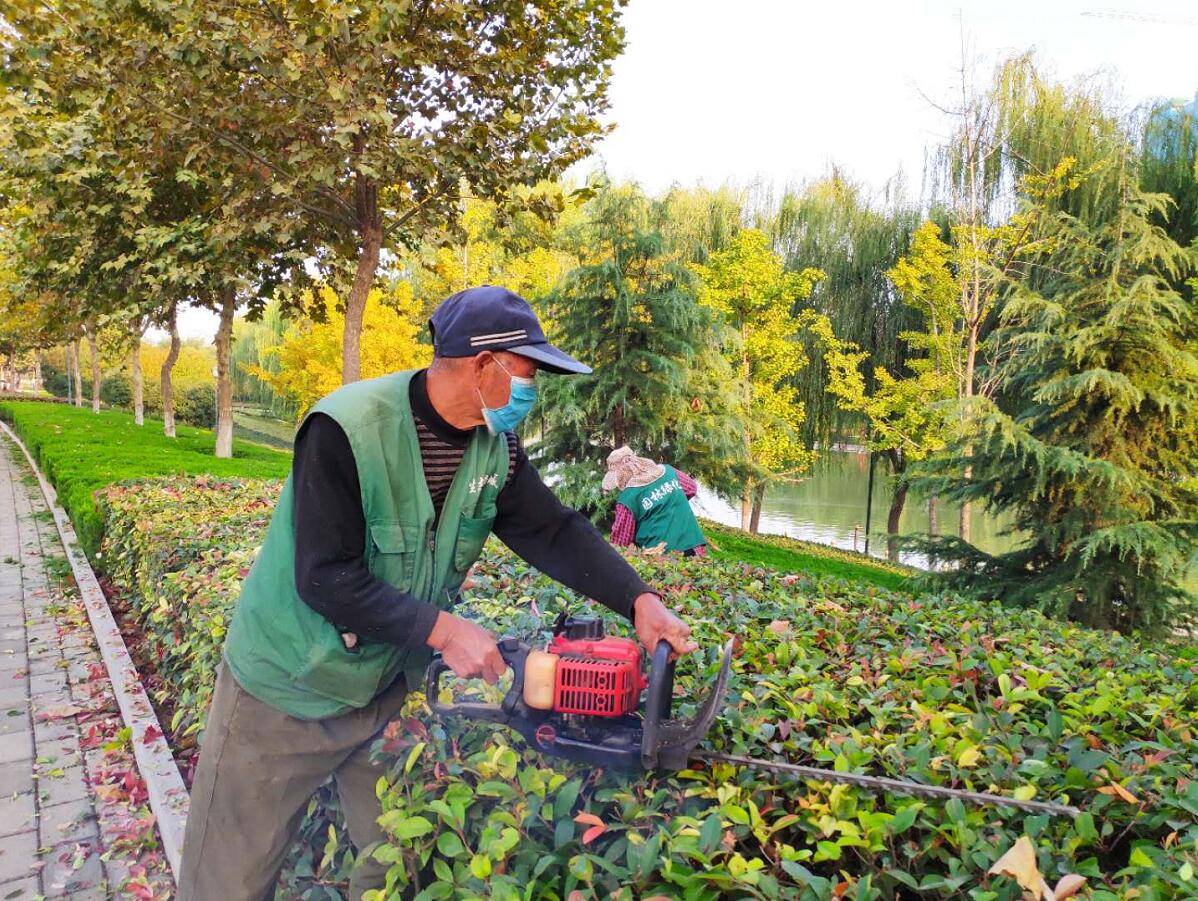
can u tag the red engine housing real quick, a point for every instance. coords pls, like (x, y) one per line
(597, 676)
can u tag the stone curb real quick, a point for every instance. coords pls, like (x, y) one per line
(168, 796)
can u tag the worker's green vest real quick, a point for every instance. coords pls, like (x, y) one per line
(285, 653)
(663, 513)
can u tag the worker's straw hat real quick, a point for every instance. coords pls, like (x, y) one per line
(626, 470)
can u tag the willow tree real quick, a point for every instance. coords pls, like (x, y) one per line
(909, 413)
(255, 344)
(1019, 126)
(749, 287)
(697, 222)
(833, 224)
(1169, 165)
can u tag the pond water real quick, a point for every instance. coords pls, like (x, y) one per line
(828, 506)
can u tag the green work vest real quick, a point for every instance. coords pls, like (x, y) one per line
(663, 513)
(285, 653)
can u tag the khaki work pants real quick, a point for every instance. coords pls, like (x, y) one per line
(258, 769)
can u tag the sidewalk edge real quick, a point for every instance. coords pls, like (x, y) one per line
(167, 794)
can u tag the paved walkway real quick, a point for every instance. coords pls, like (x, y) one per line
(72, 815)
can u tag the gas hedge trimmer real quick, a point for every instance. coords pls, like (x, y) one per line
(580, 699)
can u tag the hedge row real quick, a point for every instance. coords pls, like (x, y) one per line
(176, 551)
(938, 689)
(194, 404)
(80, 452)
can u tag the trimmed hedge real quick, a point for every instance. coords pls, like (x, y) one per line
(80, 451)
(934, 688)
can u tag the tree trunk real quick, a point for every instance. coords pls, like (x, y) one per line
(746, 388)
(897, 502)
(970, 366)
(224, 381)
(758, 498)
(95, 370)
(37, 373)
(618, 431)
(168, 366)
(898, 467)
(75, 351)
(139, 405)
(371, 231)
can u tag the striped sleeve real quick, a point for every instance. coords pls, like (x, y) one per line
(513, 452)
(689, 486)
(623, 530)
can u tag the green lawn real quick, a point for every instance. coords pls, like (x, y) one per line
(80, 451)
(791, 555)
(261, 430)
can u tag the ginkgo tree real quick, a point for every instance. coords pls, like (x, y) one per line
(748, 285)
(518, 245)
(309, 356)
(908, 414)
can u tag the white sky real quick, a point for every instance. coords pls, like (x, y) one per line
(710, 91)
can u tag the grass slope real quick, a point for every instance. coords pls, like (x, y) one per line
(792, 555)
(80, 451)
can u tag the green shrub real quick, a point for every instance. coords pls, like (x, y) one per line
(54, 380)
(117, 391)
(80, 451)
(197, 406)
(934, 688)
(178, 549)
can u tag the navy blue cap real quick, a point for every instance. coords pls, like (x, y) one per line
(494, 318)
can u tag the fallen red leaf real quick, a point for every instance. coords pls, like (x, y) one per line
(58, 712)
(589, 818)
(593, 833)
(1157, 756)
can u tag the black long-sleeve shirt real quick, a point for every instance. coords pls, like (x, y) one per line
(330, 530)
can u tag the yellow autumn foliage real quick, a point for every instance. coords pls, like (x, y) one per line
(310, 353)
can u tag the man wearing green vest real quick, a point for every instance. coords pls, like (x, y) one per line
(395, 485)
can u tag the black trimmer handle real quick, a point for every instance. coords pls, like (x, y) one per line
(514, 653)
(661, 680)
(667, 743)
(659, 696)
